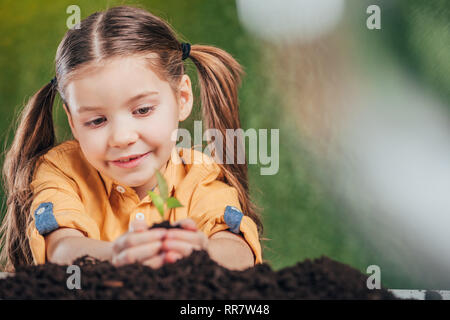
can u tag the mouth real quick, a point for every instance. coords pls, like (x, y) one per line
(130, 161)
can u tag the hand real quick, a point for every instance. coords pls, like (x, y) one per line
(140, 245)
(179, 243)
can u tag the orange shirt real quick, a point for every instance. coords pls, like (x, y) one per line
(69, 192)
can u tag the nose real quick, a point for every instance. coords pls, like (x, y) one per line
(122, 136)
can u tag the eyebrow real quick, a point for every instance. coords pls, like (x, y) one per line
(131, 100)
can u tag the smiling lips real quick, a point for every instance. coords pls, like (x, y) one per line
(130, 161)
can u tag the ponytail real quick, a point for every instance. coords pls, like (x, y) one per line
(219, 76)
(34, 136)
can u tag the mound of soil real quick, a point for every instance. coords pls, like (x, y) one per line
(194, 277)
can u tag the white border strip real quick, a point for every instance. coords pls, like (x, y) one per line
(418, 294)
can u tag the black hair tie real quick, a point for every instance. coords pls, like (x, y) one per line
(53, 81)
(186, 48)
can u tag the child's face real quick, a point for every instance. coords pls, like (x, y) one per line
(121, 126)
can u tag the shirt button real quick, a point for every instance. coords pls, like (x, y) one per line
(140, 216)
(120, 189)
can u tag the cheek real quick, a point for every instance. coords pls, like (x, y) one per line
(92, 146)
(161, 126)
(93, 152)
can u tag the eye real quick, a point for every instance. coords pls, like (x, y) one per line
(95, 122)
(144, 110)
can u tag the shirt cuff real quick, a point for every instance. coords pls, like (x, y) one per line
(236, 222)
(46, 221)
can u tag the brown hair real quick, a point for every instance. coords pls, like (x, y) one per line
(118, 31)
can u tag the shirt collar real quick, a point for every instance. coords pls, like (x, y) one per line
(174, 174)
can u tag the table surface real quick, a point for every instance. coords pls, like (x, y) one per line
(418, 294)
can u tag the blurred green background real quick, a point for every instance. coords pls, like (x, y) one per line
(302, 216)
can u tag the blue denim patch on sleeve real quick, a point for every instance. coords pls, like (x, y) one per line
(233, 217)
(44, 219)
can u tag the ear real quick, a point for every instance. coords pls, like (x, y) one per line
(69, 117)
(186, 99)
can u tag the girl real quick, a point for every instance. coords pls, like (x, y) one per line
(121, 79)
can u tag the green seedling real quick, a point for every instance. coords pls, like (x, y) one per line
(162, 200)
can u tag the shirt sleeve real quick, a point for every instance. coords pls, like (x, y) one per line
(56, 203)
(215, 207)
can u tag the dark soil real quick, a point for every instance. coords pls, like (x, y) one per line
(194, 277)
(432, 295)
(165, 224)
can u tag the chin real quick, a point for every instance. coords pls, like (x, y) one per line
(137, 182)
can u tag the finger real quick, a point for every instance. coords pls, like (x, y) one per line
(156, 261)
(137, 253)
(138, 225)
(172, 256)
(188, 224)
(182, 247)
(196, 238)
(132, 239)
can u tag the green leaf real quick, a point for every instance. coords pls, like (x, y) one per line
(162, 184)
(173, 202)
(158, 202)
